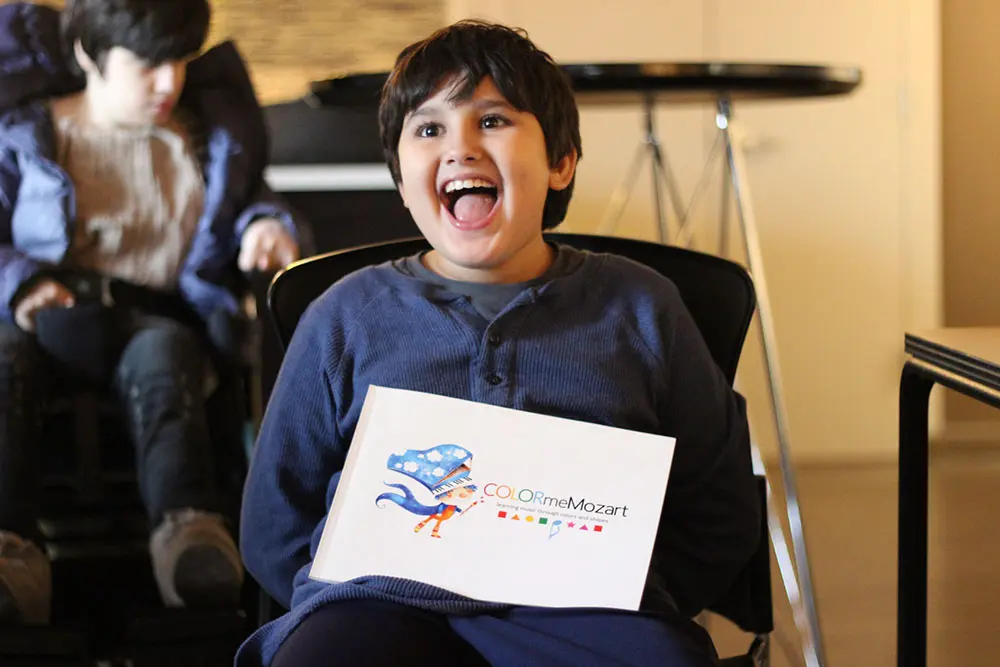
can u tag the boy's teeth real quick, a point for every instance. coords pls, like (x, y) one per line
(466, 184)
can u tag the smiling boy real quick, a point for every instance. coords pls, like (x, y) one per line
(481, 133)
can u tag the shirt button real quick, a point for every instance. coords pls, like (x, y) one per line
(494, 339)
(494, 379)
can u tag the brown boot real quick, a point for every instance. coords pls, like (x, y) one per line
(25, 581)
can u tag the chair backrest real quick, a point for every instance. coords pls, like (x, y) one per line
(718, 293)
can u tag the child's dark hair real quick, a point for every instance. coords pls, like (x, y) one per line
(473, 50)
(157, 31)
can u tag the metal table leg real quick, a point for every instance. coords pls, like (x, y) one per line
(911, 630)
(804, 607)
(662, 177)
(798, 587)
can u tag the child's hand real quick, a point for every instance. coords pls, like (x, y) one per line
(46, 294)
(267, 246)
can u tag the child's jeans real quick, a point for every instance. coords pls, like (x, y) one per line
(160, 380)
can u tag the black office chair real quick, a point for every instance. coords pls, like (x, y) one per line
(721, 298)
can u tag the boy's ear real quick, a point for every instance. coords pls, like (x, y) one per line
(85, 61)
(561, 175)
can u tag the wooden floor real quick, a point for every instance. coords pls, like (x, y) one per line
(850, 525)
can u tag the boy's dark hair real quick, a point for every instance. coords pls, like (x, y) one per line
(155, 30)
(473, 50)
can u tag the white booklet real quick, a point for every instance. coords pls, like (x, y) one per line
(496, 504)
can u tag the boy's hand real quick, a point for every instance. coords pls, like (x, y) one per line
(46, 294)
(267, 246)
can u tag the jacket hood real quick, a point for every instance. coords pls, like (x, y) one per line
(33, 60)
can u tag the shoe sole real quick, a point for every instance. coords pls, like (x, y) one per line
(205, 577)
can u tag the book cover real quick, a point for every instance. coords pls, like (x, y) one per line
(496, 504)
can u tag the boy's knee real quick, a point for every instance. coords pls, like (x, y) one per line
(164, 350)
(162, 372)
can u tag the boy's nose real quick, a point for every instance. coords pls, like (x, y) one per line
(462, 155)
(464, 147)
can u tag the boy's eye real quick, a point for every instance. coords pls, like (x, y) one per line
(429, 130)
(493, 121)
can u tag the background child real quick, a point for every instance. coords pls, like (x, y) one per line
(131, 171)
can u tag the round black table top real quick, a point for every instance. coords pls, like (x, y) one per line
(625, 83)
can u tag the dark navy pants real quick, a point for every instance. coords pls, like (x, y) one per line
(368, 633)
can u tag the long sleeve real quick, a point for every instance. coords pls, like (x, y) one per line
(15, 267)
(299, 451)
(269, 204)
(710, 525)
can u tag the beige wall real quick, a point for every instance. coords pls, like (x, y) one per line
(971, 97)
(846, 190)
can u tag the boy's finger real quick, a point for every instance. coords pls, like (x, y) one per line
(248, 257)
(264, 262)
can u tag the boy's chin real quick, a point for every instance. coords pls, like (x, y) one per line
(474, 259)
(459, 259)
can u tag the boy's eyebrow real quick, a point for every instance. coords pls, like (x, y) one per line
(480, 104)
(486, 103)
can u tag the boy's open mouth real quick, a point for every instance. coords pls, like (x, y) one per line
(469, 200)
